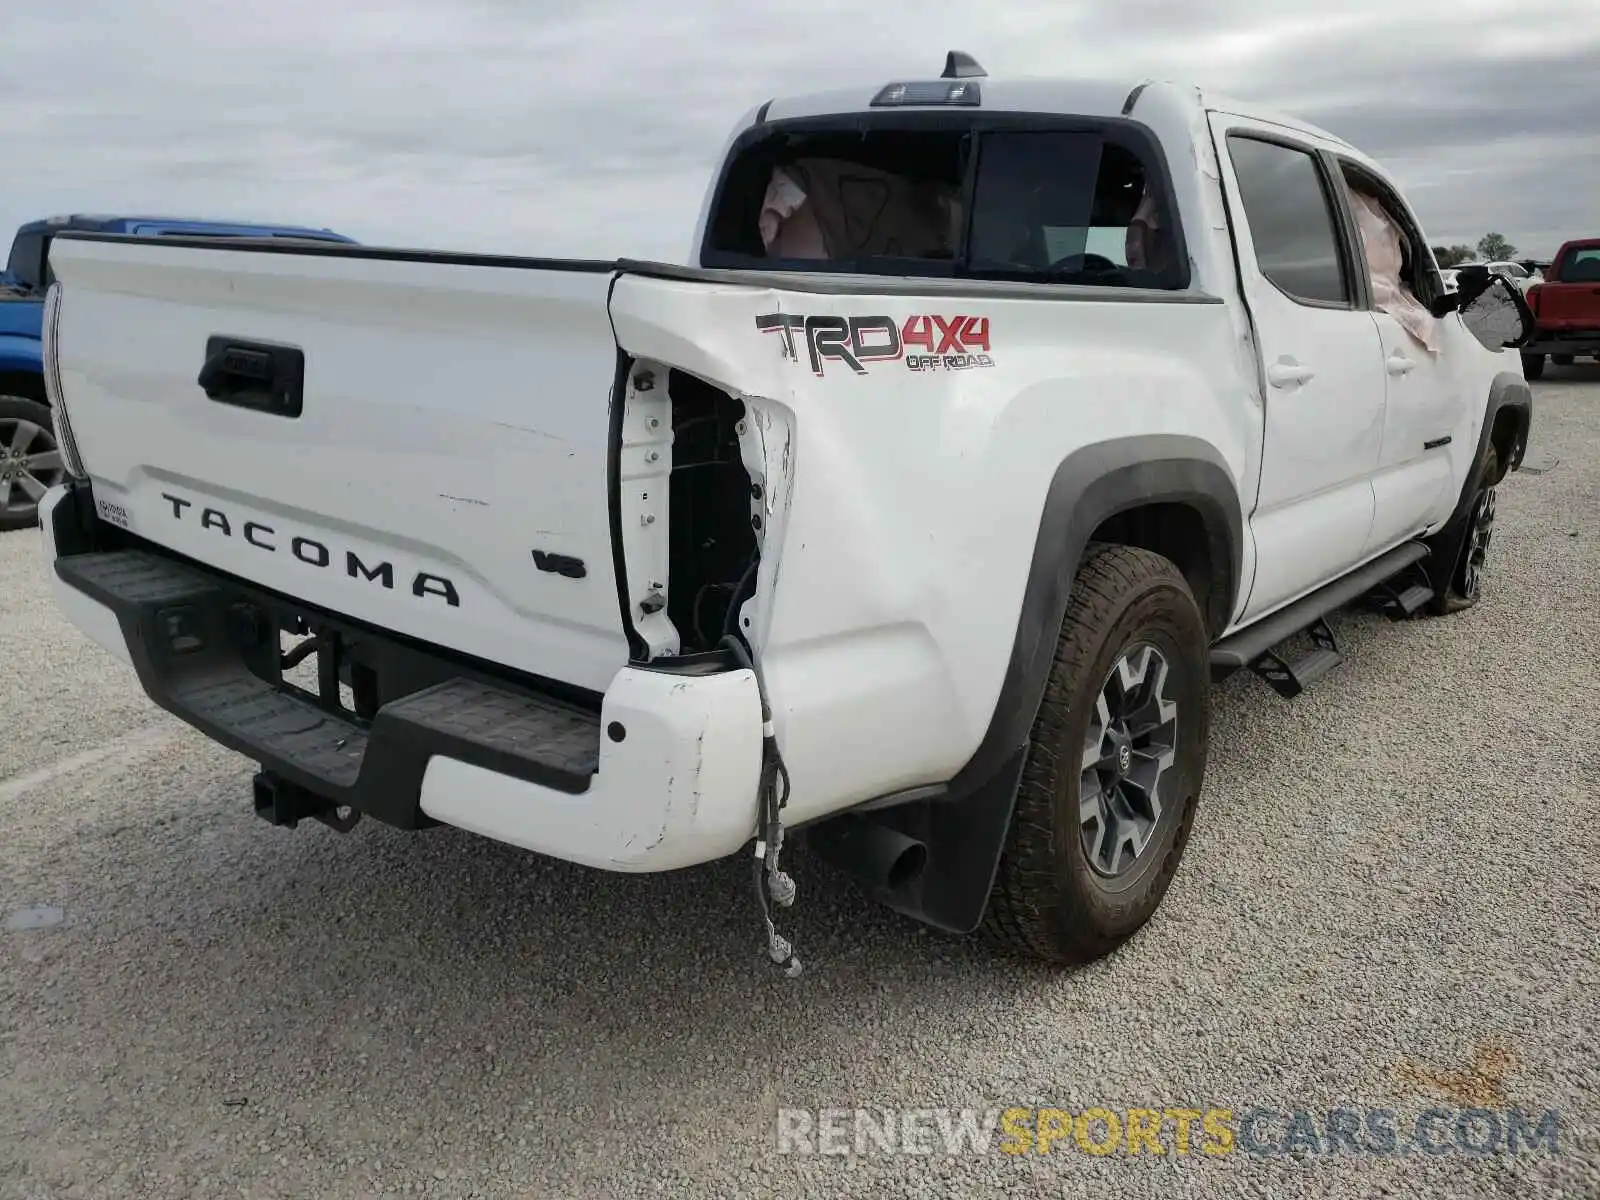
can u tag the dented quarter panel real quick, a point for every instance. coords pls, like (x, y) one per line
(910, 499)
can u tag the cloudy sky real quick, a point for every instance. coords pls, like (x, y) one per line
(588, 129)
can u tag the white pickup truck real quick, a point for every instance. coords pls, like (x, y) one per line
(991, 422)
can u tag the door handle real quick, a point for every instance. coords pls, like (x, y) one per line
(1399, 364)
(1288, 373)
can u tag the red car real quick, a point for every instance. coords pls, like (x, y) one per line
(1567, 307)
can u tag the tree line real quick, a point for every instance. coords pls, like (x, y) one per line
(1492, 247)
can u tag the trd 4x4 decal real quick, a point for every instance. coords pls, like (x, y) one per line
(949, 343)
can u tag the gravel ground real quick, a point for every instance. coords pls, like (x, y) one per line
(1389, 902)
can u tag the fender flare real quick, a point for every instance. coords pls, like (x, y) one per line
(1507, 391)
(1091, 485)
(964, 823)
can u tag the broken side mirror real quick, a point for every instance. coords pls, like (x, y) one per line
(1494, 310)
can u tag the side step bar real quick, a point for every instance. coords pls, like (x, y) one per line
(1253, 647)
(1400, 598)
(1290, 679)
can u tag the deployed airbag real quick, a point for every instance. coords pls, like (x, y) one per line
(789, 229)
(1382, 240)
(826, 208)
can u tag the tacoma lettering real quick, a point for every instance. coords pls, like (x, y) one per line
(307, 551)
(435, 585)
(382, 573)
(314, 553)
(250, 528)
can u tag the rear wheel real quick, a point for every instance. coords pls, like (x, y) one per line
(1114, 769)
(1533, 366)
(1561, 360)
(30, 460)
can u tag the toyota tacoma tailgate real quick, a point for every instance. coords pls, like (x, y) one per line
(372, 435)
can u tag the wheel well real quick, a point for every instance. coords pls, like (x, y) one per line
(22, 383)
(1177, 532)
(1509, 429)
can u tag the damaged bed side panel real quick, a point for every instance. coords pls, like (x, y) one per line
(902, 441)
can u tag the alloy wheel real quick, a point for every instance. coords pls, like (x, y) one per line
(30, 465)
(1130, 745)
(1474, 559)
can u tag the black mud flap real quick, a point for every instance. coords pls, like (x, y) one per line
(962, 838)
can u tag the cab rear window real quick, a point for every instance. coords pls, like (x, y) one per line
(1581, 265)
(1081, 205)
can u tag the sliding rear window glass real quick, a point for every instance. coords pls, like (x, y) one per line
(1028, 204)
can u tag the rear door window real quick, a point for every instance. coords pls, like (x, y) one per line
(1291, 220)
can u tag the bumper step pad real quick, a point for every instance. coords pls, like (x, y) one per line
(186, 632)
(284, 726)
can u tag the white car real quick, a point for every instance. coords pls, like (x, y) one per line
(1515, 272)
(900, 515)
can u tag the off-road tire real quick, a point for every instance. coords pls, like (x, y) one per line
(1459, 542)
(1532, 367)
(1047, 902)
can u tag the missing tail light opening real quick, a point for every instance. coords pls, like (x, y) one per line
(713, 552)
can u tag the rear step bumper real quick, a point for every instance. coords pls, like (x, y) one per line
(663, 776)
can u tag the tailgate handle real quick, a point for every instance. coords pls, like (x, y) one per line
(265, 376)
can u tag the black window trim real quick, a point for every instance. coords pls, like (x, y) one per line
(1345, 235)
(1350, 231)
(1134, 136)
